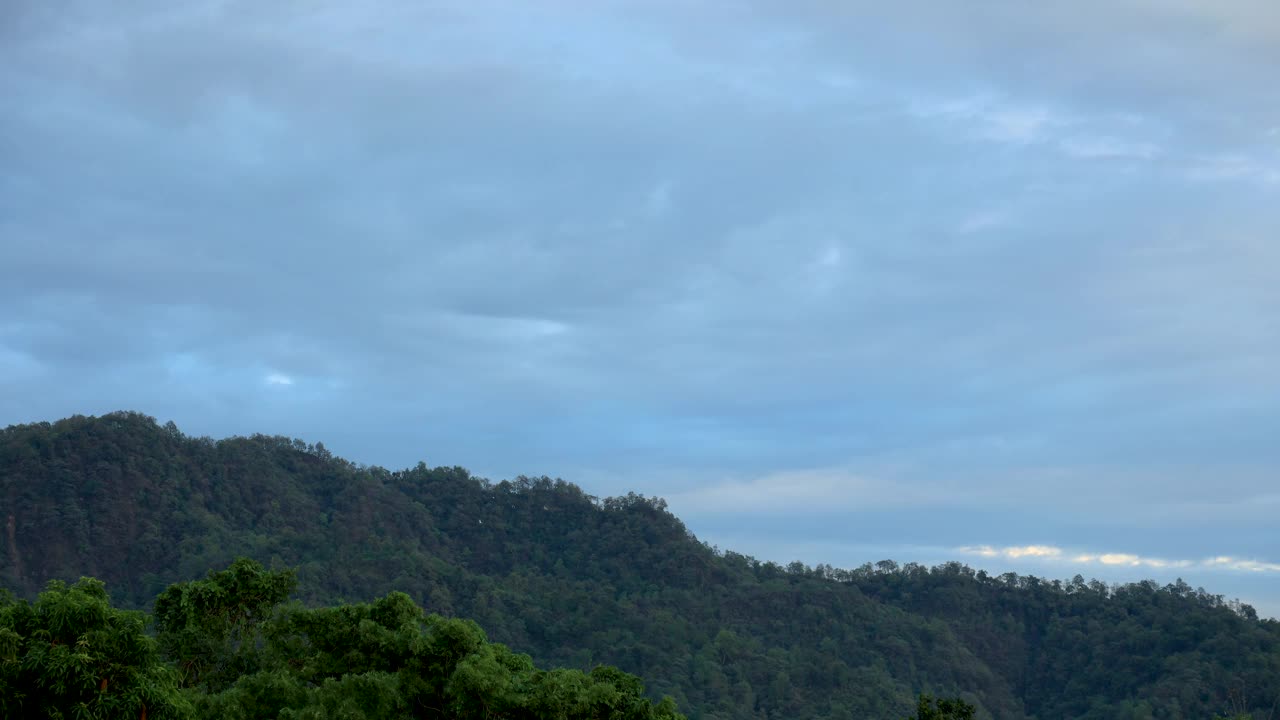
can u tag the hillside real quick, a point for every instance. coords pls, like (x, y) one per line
(576, 581)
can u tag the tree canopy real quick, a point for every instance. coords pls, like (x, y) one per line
(70, 654)
(234, 650)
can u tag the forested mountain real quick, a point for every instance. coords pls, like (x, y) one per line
(577, 581)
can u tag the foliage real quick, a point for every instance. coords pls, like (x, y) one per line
(72, 655)
(390, 659)
(578, 581)
(930, 708)
(212, 626)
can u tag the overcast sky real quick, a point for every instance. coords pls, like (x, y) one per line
(996, 282)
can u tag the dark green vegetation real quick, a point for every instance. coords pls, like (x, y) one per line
(578, 581)
(237, 652)
(72, 655)
(929, 708)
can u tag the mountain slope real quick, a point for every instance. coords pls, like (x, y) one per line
(575, 581)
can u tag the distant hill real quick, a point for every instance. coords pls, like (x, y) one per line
(575, 581)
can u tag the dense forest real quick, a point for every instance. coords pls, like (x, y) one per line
(229, 648)
(578, 581)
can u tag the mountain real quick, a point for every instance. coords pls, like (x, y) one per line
(577, 581)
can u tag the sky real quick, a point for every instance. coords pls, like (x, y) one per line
(842, 281)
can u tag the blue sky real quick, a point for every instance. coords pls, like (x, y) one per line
(993, 282)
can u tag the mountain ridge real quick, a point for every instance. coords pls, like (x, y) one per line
(576, 580)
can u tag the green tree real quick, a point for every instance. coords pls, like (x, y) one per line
(929, 708)
(385, 659)
(72, 655)
(211, 628)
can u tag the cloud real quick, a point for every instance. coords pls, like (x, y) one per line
(1105, 147)
(1232, 167)
(989, 118)
(1032, 551)
(1241, 564)
(1015, 552)
(829, 257)
(1058, 555)
(279, 379)
(821, 490)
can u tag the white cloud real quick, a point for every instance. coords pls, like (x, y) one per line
(1034, 551)
(1119, 559)
(1115, 559)
(1232, 563)
(279, 379)
(1045, 551)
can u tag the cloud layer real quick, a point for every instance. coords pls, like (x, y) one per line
(1057, 554)
(947, 274)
